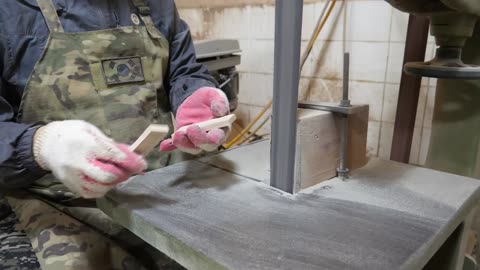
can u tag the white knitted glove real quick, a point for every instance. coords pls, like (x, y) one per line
(85, 160)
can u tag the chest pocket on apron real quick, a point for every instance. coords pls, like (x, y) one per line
(111, 78)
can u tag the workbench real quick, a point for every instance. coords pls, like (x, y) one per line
(388, 215)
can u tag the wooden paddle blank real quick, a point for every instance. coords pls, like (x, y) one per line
(149, 139)
(225, 121)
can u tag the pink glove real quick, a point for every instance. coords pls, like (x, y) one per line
(204, 104)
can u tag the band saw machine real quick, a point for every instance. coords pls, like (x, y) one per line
(263, 206)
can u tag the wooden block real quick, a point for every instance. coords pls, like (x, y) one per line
(149, 139)
(318, 148)
(357, 139)
(225, 121)
(318, 145)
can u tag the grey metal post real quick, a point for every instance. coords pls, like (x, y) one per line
(345, 102)
(288, 29)
(346, 80)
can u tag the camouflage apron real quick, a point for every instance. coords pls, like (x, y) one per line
(113, 79)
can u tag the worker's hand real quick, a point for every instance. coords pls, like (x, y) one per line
(204, 104)
(83, 158)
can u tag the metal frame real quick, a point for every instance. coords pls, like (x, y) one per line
(288, 29)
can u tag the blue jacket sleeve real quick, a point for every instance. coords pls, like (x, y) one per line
(17, 165)
(184, 75)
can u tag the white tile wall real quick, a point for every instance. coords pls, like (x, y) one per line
(262, 58)
(257, 89)
(416, 141)
(304, 88)
(262, 20)
(309, 21)
(390, 103)
(195, 19)
(373, 138)
(368, 20)
(216, 30)
(431, 39)
(386, 137)
(395, 62)
(236, 22)
(399, 26)
(247, 56)
(430, 52)
(325, 61)
(321, 89)
(368, 93)
(368, 61)
(371, 30)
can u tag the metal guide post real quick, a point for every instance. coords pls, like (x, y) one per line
(345, 102)
(288, 28)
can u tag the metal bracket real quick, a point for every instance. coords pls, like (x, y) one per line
(331, 107)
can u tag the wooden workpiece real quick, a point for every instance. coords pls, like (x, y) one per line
(225, 121)
(387, 216)
(149, 139)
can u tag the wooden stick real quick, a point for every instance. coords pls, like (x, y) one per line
(149, 139)
(225, 121)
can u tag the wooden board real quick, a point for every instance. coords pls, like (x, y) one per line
(387, 216)
(220, 122)
(149, 139)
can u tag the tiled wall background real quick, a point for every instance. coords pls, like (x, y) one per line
(371, 30)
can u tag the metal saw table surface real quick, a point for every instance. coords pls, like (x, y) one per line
(387, 216)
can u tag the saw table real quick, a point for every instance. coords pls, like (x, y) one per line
(216, 214)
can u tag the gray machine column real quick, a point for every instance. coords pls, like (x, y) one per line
(288, 29)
